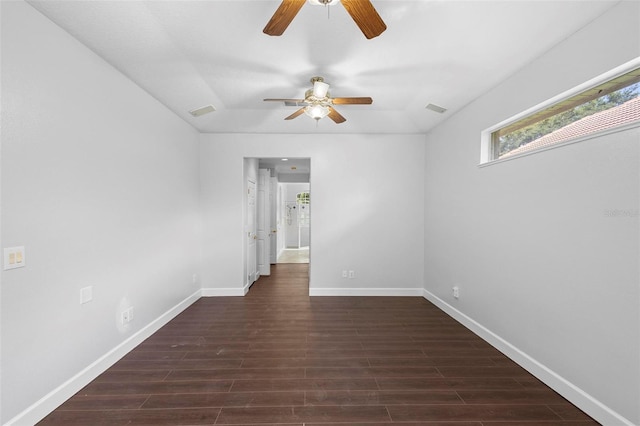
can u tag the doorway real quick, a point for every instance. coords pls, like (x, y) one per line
(296, 208)
(282, 198)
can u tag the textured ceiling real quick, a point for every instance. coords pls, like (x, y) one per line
(188, 54)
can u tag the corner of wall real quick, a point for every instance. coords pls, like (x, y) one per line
(41, 408)
(564, 387)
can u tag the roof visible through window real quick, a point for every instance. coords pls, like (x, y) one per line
(606, 106)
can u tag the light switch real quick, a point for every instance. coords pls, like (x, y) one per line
(13, 257)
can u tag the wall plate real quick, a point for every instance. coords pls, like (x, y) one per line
(13, 258)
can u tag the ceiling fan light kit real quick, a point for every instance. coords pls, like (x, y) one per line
(316, 111)
(318, 104)
(320, 88)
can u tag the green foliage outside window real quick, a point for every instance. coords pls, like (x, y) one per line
(528, 130)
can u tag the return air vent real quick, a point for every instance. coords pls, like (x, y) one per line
(202, 110)
(436, 108)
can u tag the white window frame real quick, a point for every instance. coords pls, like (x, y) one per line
(486, 143)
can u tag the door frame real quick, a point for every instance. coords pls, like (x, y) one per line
(250, 163)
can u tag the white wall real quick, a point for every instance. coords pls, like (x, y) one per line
(100, 184)
(539, 263)
(362, 187)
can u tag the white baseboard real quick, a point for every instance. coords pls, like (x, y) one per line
(222, 292)
(571, 392)
(581, 399)
(314, 291)
(41, 408)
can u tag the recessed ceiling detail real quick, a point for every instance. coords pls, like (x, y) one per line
(189, 54)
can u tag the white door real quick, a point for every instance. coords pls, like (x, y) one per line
(273, 207)
(252, 270)
(264, 222)
(280, 211)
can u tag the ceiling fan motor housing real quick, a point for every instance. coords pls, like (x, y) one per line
(322, 2)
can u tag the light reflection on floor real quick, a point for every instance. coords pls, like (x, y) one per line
(300, 255)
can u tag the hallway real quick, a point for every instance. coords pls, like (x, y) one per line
(277, 356)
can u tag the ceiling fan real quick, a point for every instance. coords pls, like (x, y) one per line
(318, 104)
(362, 12)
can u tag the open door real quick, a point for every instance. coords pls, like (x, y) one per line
(263, 231)
(252, 270)
(273, 212)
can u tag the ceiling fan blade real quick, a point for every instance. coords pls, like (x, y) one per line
(282, 100)
(366, 17)
(282, 17)
(335, 116)
(352, 101)
(295, 114)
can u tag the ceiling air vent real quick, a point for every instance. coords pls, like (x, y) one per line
(436, 108)
(202, 110)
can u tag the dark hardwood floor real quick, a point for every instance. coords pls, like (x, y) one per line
(279, 357)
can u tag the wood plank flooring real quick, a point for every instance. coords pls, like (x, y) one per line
(279, 357)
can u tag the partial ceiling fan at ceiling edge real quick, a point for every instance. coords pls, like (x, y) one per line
(361, 11)
(318, 103)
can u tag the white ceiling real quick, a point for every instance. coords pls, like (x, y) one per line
(188, 54)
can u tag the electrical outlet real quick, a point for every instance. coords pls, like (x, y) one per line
(127, 315)
(456, 292)
(352, 274)
(344, 274)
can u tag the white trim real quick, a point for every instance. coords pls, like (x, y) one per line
(485, 135)
(571, 392)
(365, 291)
(225, 291)
(45, 405)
